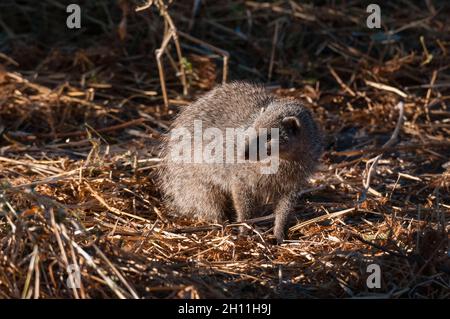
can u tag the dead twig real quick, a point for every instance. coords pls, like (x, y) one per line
(374, 161)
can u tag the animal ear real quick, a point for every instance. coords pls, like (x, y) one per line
(291, 124)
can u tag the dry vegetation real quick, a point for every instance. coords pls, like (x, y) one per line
(81, 115)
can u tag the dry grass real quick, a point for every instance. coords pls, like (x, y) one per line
(80, 125)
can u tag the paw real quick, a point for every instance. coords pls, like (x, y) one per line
(279, 235)
(244, 231)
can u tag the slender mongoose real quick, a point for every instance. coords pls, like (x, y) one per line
(209, 190)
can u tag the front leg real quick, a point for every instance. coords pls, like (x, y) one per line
(244, 203)
(284, 207)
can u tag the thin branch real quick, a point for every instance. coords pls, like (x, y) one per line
(389, 143)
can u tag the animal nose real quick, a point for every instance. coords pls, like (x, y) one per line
(269, 148)
(267, 151)
(246, 153)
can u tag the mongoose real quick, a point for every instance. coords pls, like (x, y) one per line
(206, 190)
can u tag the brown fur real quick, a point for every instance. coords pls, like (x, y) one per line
(204, 191)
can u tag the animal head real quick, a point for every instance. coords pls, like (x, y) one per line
(299, 138)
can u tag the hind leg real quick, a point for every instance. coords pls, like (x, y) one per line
(205, 203)
(211, 206)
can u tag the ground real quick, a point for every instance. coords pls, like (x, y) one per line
(82, 114)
